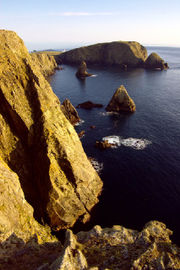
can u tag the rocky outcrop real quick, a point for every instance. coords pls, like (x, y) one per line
(119, 248)
(70, 112)
(154, 61)
(39, 144)
(121, 102)
(82, 71)
(103, 144)
(16, 215)
(89, 105)
(125, 54)
(46, 63)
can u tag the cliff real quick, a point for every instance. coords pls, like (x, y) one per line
(46, 63)
(131, 54)
(39, 144)
(119, 248)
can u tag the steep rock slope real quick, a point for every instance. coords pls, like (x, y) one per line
(39, 144)
(46, 63)
(119, 248)
(120, 53)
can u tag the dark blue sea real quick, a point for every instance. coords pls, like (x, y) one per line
(140, 184)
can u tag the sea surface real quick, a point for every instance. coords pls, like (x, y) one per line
(142, 174)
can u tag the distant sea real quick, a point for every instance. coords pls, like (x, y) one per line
(142, 175)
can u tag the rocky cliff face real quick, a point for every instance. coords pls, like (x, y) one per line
(119, 248)
(46, 63)
(39, 144)
(131, 54)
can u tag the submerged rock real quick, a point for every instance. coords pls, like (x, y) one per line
(70, 112)
(39, 144)
(82, 71)
(103, 144)
(89, 105)
(154, 61)
(121, 102)
(131, 54)
(120, 248)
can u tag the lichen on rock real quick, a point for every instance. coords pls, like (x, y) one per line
(46, 63)
(39, 144)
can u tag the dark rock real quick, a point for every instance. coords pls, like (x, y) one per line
(59, 68)
(81, 134)
(89, 105)
(121, 101)
(129, 53)
(82, 71)
(154, 61)
(103, 144)
(92, 127)
(70, 112)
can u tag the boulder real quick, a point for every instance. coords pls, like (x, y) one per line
(89, 105)
(121, 101)
(81, 133)
(82, 71)
(39, 144)
(70, 112)
(121, 53)
(154, 61)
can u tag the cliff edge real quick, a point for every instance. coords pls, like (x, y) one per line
(39, 144)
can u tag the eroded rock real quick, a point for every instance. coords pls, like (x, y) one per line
(121, 248)
(121, 101)
(154, 61)
(46, 63)
(38, 142)
(82, 71)
(70, 112)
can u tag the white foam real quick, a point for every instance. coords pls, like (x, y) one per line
(79, 123)
(108, 113)
(137, 144)
(94, 75)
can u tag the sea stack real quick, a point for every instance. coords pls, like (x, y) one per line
(70, 112)
(121, 101)
(82, 71)
(154, 61)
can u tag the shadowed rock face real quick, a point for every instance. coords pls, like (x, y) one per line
(131, 54)
(82, 71)
(70, 112)
(39, 143)
(154, 61)
(121, 102)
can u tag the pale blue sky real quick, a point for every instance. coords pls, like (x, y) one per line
(66, 23)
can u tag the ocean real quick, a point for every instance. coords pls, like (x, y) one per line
(142, 174)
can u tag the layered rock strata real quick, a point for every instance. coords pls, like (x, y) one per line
(121, 101)
(46, 63)
(70, 112)
(39, 144)
(121, 53)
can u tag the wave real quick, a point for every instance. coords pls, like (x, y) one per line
(108, 113)
(79, 123)
(94, 75)
(137, 144)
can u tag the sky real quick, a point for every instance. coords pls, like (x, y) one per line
(57, 24)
